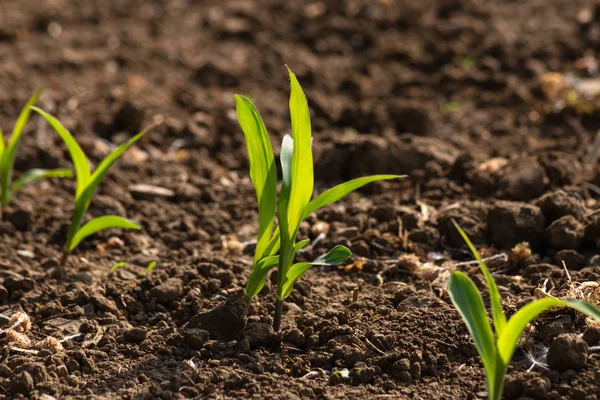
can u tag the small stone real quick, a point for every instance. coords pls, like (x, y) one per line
(22, 383)
(136, 335)
(168, 291)
(568, 351)
(144, 191)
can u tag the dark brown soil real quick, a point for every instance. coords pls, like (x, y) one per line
(454, 93)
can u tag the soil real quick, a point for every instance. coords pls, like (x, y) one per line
(486, 105)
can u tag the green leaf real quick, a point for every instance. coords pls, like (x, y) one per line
(467, 300)
(258, 276)
(262, 169)
(149, 268)
(82, 169)
(507, 341)
(105, 165)
(286, 239)
(300, 245)
(335, 256)
(338, 192)
(99, 224)
(82, 201)
(116, 266)
(36, 173)
(1, 144)
(328, 197)
(9, 152)
(261, 269)
(302, 177)
(496, 303)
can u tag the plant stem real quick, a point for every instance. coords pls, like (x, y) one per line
(61, 267)
(278, 312)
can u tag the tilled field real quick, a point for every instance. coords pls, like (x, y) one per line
(491, 108)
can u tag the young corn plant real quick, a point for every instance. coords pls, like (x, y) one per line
(86, 185)
(7, 160)
(497, 352)
(279, 247)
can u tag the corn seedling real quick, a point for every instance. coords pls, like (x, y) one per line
(497, 352)
(279, 247)
(86, 185)
(7, 159)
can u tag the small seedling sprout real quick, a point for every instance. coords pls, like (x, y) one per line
(87, 183)
(7, 159)
(279, 247)
(496, 353)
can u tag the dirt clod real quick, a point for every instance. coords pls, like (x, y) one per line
(565, 233)
(22, 383)
(167, 291)
(511, 223)
(568, 351)
(224, 322)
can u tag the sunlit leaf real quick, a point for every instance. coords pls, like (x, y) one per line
(118, 265)
(262, 169)
(507, 341)
(9, 152)
(302, 177)
(82, 169)
(335, 256)
(338, 192)
(467, 300)
(149, 268)
(36, 173)
(99, 224)
(497, 312)
(82, 202)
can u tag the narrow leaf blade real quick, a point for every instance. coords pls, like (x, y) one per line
(258, 276)
(507, 341)
(82, 169)
(262, 169)
(467, 300)
(335, 256)
(105, 165)
(117, 265)
(338, 192)
(496, 303)
(9, 152)
(149, 268)
(2, 144)
(302, 176)
(36, 173)
(99, 224)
